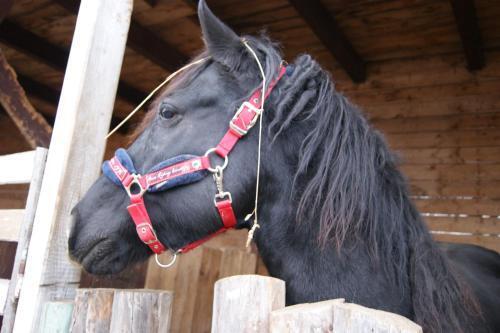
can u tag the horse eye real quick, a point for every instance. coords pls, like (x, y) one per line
(167, 111)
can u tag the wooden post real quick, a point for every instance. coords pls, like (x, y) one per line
(308, 317)
(141, 311)
(349, 317)
(92, 310)
(243, 303)
(76, 152)
(24, 236)
(31, 124)
(56, 317)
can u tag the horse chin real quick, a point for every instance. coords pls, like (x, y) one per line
(102, 257)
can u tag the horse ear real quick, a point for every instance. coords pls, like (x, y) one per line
(218, 37)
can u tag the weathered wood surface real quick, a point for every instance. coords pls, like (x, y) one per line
(92, 310)
(16, 168)
(141, 311)
(4, 287)
(243, 303)
(24, 236)
(353, 318)
(307, 317)
(77, 148)
(10, 224)
(56, 317)
(193, 277)
(32, 125)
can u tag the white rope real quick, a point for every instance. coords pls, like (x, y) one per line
(257, 182)
(141, 104)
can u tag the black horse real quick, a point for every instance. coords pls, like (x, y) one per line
(335, 213)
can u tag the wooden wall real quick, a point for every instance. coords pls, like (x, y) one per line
(444, 121)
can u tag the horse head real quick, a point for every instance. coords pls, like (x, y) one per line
(189, 117)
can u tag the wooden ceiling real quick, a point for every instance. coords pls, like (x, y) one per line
(348, 37)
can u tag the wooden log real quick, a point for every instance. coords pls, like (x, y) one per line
(141, 311)
(17, 168)
(24, 237)
(92, 310)
(348, 317)
(243, 303)
(32, 125)
(10, 224)
(56, 317)
(76, 151)
(307, 317)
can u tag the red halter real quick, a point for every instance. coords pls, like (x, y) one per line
(136, 184)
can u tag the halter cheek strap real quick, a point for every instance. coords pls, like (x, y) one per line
(183, 170)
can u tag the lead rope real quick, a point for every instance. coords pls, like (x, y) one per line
(256, 225)
(148, 97)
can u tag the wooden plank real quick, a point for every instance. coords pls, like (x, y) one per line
(470, 35)
(492, 243)
(488, 189)
(439, 123)
(209, 273)
(141, 311)
(4, 287)
(349, 317)
(236, 262)
(448, 173)
(10, 224)
(56, 317)
(306, 317)
(27, 42)
(472, 138)
(16, 168)
(24, 240)
(472, 224)
(30, 123)
(243, 303)
(92, 310)
(455, 155)
(327, 30)
(76, 150)
(186, 289)
(475, 207)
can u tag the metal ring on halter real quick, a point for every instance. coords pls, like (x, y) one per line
(166, 265)
(223, 166)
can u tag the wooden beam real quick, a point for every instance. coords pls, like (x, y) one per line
(329, 33)
(16, 168)
(144, 41)
(51, 96)
(470, 35)
(56, 57)
(10, 224)
(75, 154)
(32, 125)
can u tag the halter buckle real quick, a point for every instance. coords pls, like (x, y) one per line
(222, 195)
(141, 230)
(238, 129)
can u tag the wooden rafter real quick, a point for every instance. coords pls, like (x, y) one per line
(144, 42)
(50, 95)
(32, 125)
(329, 33)
(56, 57)
(468, 28)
